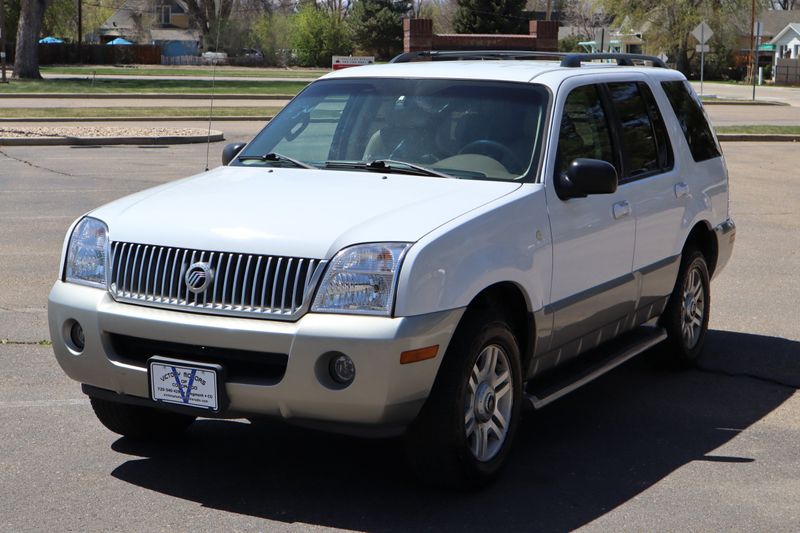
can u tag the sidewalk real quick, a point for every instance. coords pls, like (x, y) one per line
(134, 100)
(222, 77)
(788, 95)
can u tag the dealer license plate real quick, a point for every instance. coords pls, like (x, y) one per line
(184, 384)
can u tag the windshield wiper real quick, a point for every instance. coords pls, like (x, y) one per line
(274, 156)
(383, 165)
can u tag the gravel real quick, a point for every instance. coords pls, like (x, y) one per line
(96, 131)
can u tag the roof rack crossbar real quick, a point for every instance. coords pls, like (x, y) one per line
(568, 59)
(626, 60)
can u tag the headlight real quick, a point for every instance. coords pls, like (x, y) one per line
(361, 280)
(86, 253)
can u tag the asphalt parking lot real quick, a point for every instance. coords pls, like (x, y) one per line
(642, 449)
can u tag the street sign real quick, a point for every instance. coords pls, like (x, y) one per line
(702, 32)
(340, 62)
(602, 38)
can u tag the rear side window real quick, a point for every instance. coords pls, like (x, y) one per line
(692, 119)
(665, 157)
(638, 135)
(584, 129)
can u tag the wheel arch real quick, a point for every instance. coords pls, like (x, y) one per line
(509, 299)
(703, 238)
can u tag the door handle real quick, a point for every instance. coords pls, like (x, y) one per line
(622, 209)
(681, 190)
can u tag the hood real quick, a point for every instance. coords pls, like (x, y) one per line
(292, 212)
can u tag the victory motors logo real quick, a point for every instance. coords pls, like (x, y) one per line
(198, 277)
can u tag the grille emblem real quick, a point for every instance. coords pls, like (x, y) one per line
(198, 277)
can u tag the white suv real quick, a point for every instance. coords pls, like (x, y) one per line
(411, 248)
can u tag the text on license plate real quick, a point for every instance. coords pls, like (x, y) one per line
(184, 385)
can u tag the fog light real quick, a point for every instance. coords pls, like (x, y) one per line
(77, 337)
(342, 369)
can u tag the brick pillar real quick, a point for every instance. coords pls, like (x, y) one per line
(546, 33)
(417, 35)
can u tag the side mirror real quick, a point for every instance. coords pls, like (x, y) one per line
(230, 151)
(587, 176)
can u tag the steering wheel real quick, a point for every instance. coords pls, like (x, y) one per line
(493, 149)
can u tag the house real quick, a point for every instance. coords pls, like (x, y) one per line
(773, 22)
(787, 42)
(787, 55)
(164, 23)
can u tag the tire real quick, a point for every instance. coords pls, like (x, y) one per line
(459, 440)
(686, 316)
(137, 422)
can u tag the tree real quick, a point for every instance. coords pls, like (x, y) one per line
(584, 16)
(570, 43)
(317, 35)
(668, 24)
(210, 17)
(378, 25)
(490, 16)
(26, 64)
(61, 17)
(271, 34)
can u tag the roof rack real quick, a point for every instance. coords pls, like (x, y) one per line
(568, 59)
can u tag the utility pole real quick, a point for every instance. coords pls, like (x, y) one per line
(757, 42)
(3, 39)
(80, 32)
(752, 38)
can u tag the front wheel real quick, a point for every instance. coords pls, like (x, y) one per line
(686, 315)
(463, 434)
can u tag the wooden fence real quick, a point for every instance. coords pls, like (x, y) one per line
(96, 54)
(787, 72)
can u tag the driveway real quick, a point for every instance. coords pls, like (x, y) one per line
(640, 449)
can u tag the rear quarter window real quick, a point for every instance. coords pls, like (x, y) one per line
(692, 119)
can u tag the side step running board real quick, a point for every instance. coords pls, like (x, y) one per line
(611, 356)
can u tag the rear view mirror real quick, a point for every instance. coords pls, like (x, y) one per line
(230, 151)
(587, 176)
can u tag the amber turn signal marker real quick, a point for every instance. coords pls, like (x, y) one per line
(420, 354)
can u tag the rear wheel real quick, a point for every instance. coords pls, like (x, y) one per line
(463, 434)
(686, 315)
(140, 422)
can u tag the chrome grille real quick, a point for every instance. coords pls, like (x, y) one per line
(242, 284)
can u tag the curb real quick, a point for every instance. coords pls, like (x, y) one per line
(216, 136)
(249, 118)
(745, 102)
(758, 137)
(152, 96)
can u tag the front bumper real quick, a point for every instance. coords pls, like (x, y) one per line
(384, 393)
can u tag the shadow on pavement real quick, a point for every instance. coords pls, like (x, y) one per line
(573, 462)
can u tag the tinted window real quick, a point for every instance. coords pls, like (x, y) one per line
(692, 119)
(665, 157)
(638, 136)
(584, 129)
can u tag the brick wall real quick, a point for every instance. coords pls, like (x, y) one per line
(418, 35)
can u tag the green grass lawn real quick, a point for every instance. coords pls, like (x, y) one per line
(764, 129)
(288, 87)
(186, 71)
(136, 112)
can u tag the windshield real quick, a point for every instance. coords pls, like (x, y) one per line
(458, 128)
